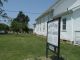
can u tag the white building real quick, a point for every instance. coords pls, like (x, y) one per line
(69, 11)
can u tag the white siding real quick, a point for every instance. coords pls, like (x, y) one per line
(77, 38)
(41, 26)
(72, 22)
(67, 34)
(38, 27)
(76, 17)
(76, 22)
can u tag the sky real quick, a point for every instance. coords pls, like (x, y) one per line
(32, 8)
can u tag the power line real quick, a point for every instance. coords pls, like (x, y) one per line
(23, 11)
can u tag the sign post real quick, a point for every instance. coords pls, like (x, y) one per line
(53, 37)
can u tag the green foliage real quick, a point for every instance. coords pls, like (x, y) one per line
(1, 2)
(15, 26)
(2, 11)
(21, 17)
(4, 27)
(20, 23)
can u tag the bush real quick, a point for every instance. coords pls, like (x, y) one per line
(4, 28)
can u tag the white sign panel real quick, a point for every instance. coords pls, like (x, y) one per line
(53, 32)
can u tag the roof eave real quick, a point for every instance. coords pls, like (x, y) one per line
(62, 14)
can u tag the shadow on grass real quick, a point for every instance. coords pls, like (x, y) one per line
(56, 58)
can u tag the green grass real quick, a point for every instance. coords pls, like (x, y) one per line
(70, 52)
(21, 47)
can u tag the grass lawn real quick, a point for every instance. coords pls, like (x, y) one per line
(21, 47)
(70, 52)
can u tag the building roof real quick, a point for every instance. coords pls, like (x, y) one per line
(64, 13)
(51, 8)
(48, 10)
(69, 11)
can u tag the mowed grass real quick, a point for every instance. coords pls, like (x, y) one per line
(21, 47)
(70, 52)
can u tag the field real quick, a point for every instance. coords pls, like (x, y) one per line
(23, 46)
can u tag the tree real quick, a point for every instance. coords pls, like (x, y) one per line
(15, 26)
(4, 27)
(21, 17)
(1, 2)
(2, 12)
(20, 23)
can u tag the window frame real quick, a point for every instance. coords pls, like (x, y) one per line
(64, 24)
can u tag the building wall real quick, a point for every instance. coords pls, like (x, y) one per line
(72, 22)
(41, 26)
(76, 17)
(66, 34)
(38, 27)
(76, 23)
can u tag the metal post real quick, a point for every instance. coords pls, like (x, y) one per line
(47, 43)
(47, 50)
(59, 39)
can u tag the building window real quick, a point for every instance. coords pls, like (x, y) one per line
(64, 24)
(44, 27)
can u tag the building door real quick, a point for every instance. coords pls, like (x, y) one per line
(77, 38)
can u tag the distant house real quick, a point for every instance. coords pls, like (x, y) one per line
(69, 11)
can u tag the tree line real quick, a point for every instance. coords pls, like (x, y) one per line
(19, 24)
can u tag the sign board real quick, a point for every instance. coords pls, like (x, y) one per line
(53, 32)
(53, 36)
